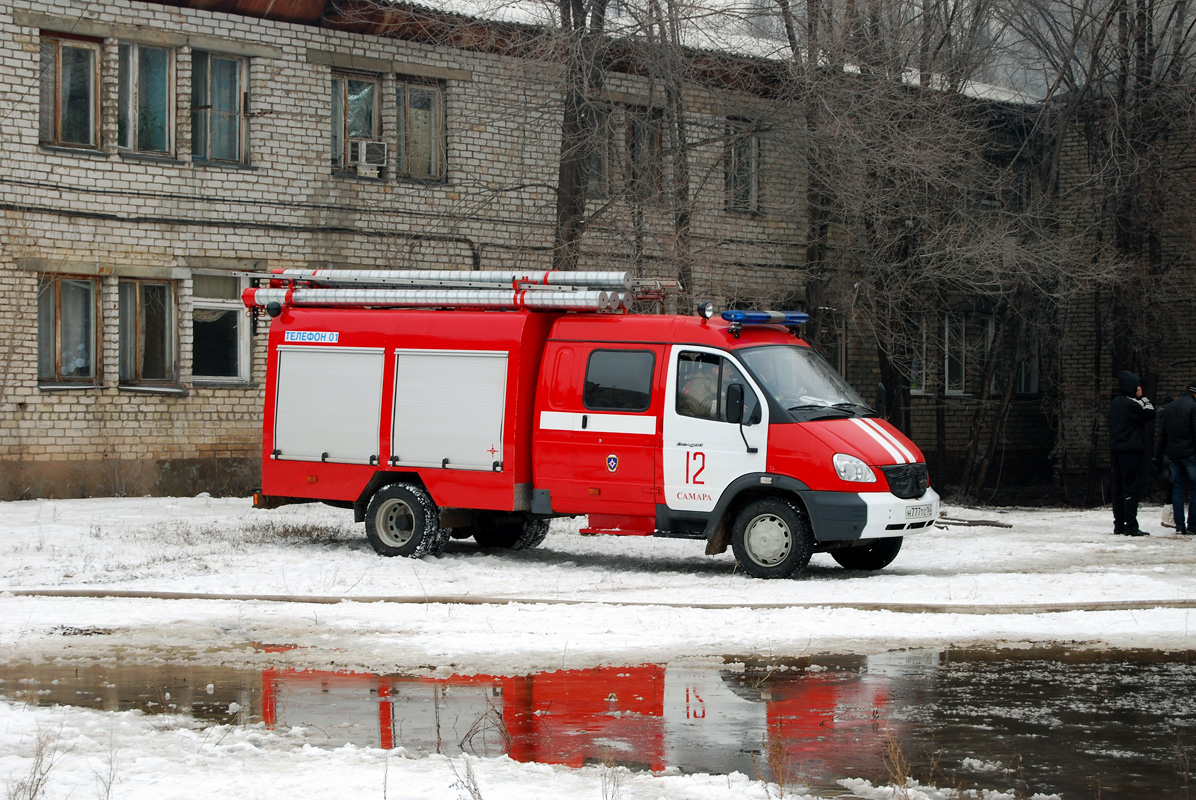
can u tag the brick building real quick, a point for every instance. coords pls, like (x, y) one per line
(153, 151)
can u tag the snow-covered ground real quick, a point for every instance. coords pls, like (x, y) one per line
(208, 577)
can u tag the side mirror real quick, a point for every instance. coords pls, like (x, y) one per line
(735, 403)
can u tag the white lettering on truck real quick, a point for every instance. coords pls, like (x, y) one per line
(319, 337)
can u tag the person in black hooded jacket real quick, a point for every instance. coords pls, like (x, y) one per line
(1128, 415)
(1177, 441)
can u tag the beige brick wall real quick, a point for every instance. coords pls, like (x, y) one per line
(113, 215)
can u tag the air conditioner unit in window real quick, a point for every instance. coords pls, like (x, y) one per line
(368, 157)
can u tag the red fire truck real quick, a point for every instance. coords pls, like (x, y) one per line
(441, 404)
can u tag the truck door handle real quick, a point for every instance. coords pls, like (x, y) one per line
(585, 421)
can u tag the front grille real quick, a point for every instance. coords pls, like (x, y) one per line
(907, 481)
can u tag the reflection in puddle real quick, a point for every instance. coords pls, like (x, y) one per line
(1084, 724)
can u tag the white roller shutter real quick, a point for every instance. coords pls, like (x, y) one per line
(328, 401)
(449, 408)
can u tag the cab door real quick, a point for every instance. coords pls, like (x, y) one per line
(703, 452)
(597, 446)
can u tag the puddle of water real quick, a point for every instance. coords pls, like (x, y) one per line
(1083, 724)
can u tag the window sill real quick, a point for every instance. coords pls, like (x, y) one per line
(177, 391)
(415, 180)
(223, 383)
(51, 386)
(152, 158)
(347, 174)
(60, 149)
(745, 212)
(203, 162)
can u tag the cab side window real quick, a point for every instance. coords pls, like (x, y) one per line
(619, 380)
(702, 382)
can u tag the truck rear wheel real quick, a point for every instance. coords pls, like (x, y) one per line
(517, 535)
(402, 520)
(772, 539)
(877, 555)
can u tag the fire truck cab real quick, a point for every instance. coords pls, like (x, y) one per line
(489, 416)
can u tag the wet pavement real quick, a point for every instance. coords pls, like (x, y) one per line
(1081, 723)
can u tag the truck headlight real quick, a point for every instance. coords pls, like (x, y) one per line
(852, 469)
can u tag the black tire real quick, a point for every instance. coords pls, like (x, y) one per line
(517, 535)
(771, 538)
(876, 555)
(402, 520)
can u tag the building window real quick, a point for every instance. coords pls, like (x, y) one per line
(599, 180)
(146, 332)
(644, 151)
(144, 99)
(421, 131)
(743, 167)
(69, 93)
(66, 329)
(1026, 380)
(219, 334)
(219, 90)
(954, 353)
(917, 366)
(355, 122)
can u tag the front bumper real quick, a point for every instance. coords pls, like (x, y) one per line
(843, 516)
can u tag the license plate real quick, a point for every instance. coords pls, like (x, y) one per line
(919, 512)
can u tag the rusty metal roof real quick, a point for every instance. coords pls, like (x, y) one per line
(304, 12)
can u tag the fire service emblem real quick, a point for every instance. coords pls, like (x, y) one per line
(612, 462)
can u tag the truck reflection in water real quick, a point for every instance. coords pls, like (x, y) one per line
(752, 720)
(1079, 722)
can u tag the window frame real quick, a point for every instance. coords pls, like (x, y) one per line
(130, 98)
(602, 154)
(587, 399)
(201, 115)
(344, 165)
(645, 173)
(243, 333)
(917, 367)
(55, 329)
(955, 361)
(741, 137)
(169, 334)
(1027, 379)
(726, 371)
(56, 112)
(438, 137)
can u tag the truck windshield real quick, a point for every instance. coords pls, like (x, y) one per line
(803, 382)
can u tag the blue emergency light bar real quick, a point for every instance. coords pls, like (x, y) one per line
(789, 318)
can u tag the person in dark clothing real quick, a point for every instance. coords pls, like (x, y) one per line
(1128, 415)
(1177, 441)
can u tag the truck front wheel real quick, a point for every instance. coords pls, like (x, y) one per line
(402, 520)
(771, 538)
(877, 555)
